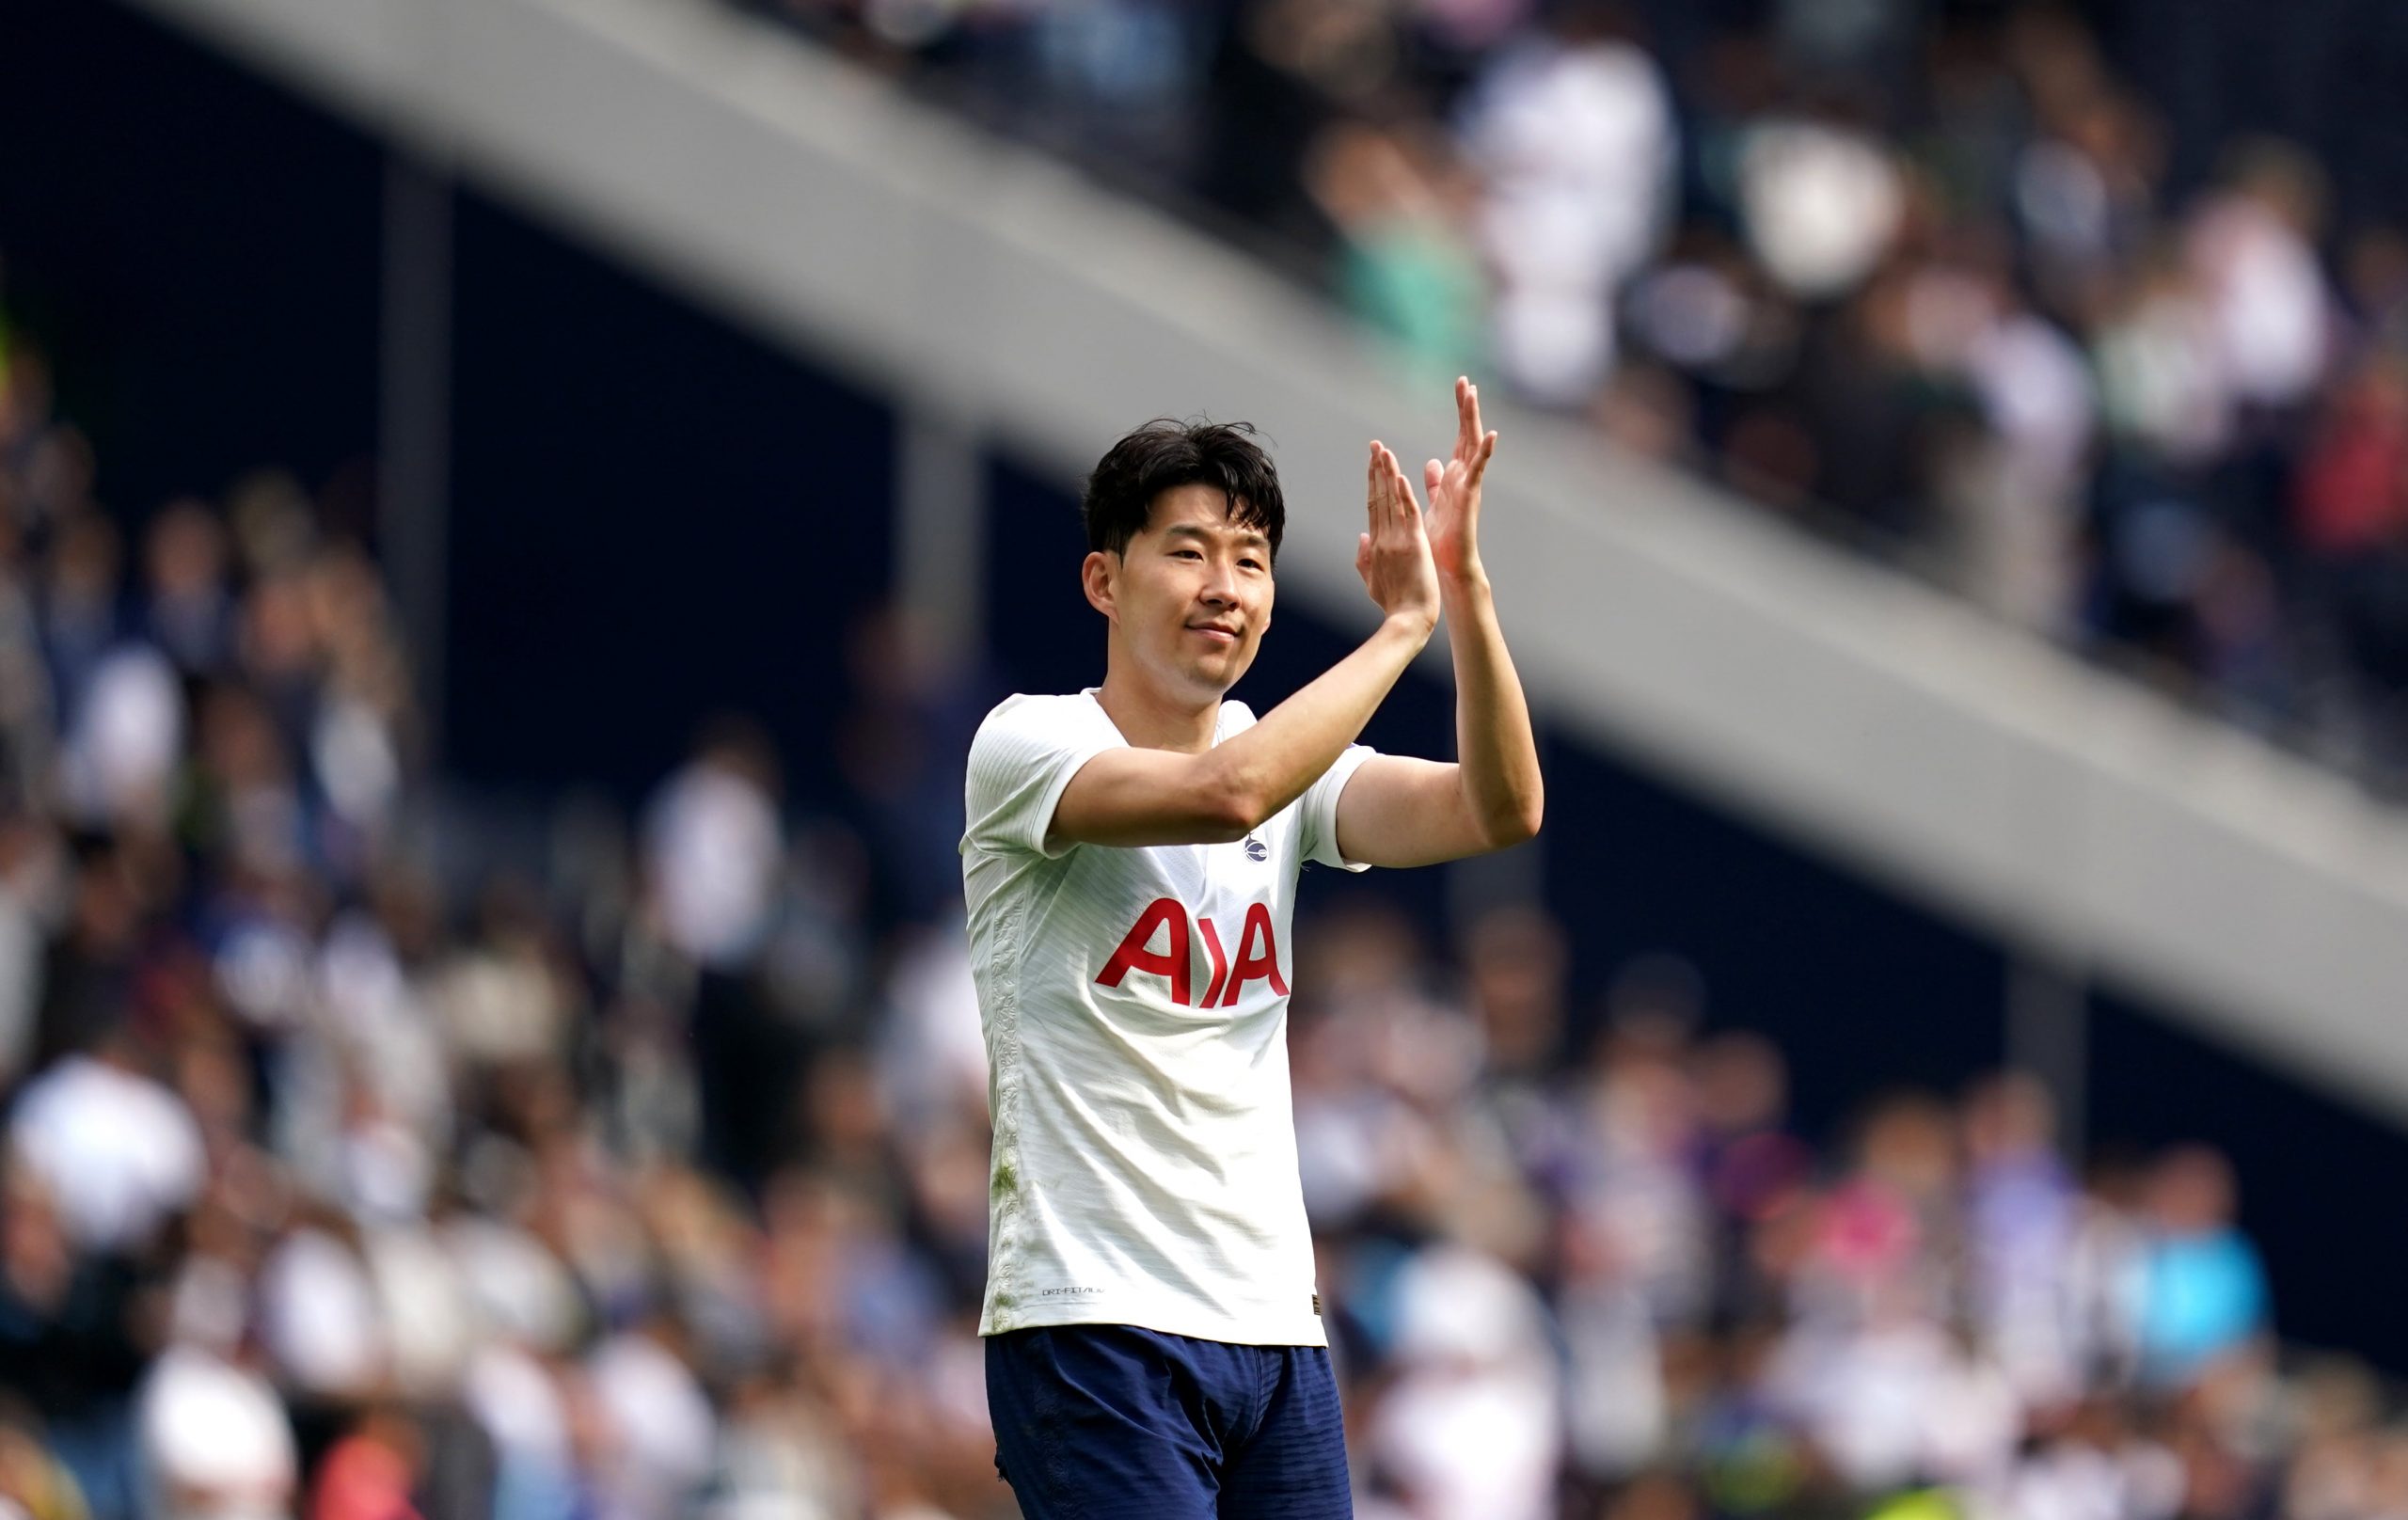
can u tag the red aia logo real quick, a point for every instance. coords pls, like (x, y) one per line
(1258, 954)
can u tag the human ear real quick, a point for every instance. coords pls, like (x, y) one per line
(1095, 578)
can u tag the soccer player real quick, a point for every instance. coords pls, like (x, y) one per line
(1154, 1344)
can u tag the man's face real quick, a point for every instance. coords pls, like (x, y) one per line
(1191, 595)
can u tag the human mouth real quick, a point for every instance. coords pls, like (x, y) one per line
(1220, 635)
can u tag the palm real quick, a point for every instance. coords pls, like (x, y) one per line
(1453, 488)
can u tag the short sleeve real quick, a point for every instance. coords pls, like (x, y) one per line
(1320, 842)
(1021, 763)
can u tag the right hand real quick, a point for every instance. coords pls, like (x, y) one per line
(1393, 557)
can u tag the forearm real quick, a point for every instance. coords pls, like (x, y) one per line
(1290, 748)
(1497, 752)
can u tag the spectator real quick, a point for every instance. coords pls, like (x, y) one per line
(1574, 132)
(2202, 1292)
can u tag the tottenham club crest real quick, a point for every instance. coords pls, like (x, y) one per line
(1255, 850)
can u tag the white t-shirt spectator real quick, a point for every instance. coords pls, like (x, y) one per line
(319, 1317)
(663, 1430)
(1820, 204)
(120, 1153)
(127, 739)
(1576, 148)
(714, 846)
(214, 1442)
(1472, 1424)
(1134, 1003)
(2267, 299)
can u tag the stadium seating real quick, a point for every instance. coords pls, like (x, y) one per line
(376, 1145)
(656, 1182)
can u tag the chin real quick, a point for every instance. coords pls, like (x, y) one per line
(1205, 681)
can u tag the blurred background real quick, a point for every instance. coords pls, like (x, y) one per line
(511, 510)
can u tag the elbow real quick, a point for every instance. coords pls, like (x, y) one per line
(1227, 810)
(1518, 827)
(1227, 819)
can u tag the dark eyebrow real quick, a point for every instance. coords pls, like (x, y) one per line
(1248, 537)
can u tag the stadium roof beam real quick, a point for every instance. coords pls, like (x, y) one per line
(2066, 810)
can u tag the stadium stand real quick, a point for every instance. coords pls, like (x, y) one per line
(639, 1188)
(1941, 278)
(649, 1178)
(1008, 304)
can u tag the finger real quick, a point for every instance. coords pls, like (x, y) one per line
(1466, 419)
(1403, 489)
(1480, 460)
(1382, 504)
(1376, 483)
(1433, 474)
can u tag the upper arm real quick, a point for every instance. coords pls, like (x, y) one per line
(1399, 811)
(1024, 757)
(1129, 797)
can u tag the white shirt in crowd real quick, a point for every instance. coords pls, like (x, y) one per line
(214, 1440)
(118, 1151)
(713, 847)
(1134, 1003)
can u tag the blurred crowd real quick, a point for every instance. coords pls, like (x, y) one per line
(360, 1164)
(1619, 1284)
(1923, 272)
(357, 1167)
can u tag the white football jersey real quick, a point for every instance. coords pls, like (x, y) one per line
(1135, 1009)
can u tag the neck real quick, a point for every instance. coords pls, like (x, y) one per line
(1151, 719)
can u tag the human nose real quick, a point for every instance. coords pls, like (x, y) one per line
(1221, 583)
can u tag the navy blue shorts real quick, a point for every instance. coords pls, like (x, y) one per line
(1096, 1421)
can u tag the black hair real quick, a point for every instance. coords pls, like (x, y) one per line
(1163, 455)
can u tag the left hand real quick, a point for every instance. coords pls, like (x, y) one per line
(1454, 518)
